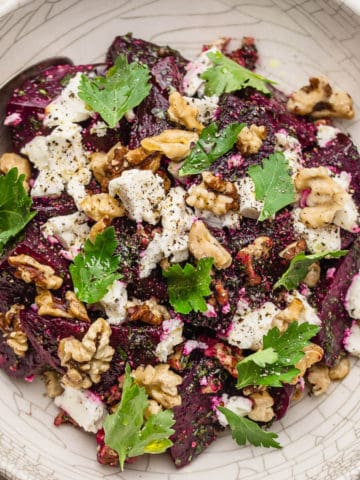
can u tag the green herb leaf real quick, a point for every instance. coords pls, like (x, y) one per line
(15, 205)
(244, 431)
(95, 269)
(211, 145)
(275, 364)
(126, 430)
(228, 76)
(299, 266)
(188, 286)
(273, 184)
(124, 87)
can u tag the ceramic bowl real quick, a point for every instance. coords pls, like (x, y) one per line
(296, 39)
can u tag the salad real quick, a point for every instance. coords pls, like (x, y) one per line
(180, 246)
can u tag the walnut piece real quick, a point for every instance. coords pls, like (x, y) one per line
(250, 139)
(313, 354)
(290, 314)
(259, 249)
(12, 160)
(174, 144)
(99, 227)
(153, 408)
(102, 205)
(326, 197)
(313, 276)
(319, 99)
(54, 307)
(228, 357)
(87, 359)
(182, 113)
(203, 244)
(12, 332)
(293, 249)
(143, 160)
(262, 410)
(318, 377)
(52, 383)
(30, 270)
(214, 194)
(160, 383)
(148, 312)
(340, 370)
(106, 166)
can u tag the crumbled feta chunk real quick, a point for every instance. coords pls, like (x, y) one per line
(325, 134)
(114, 303)
(352, 299)
(318, 240)
(141, 192)
(237, 404)
(70, 230)
(171, 336)
(291, 148)
(308, 314)
(249, 206)
(176, 219)
(352, 340)
(61, 160)
(206, 106)
(192, 83)
(67, 107)
(99, 129)
(348, 217)
(84, 407)
(230, 219)
(249, 326)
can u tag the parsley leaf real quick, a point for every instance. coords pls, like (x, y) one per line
(15, 205)
(244, 430)
(299, 266)
(187, 286)
(273, 184)
(228, 76)
(275, 364)
(126, 430)
(124, 87)
(211, 145)
(94, 269)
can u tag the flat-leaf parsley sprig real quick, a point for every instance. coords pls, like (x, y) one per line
(124, 87)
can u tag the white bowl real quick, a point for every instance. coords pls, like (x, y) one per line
(296, 38)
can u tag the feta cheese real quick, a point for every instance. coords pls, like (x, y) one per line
(67, 107)
(114, 303)
(192, 83)
(348, 217)
(352, 340)
(176, 219)
(230, 219)
(308, 314)
(352, 298)
(320, 239)
(206, 106)
(237, 404)
(71, 230)
(99, 129)
(249, 206)
(291, 148)
(249, 326)
(171, 336)
(84, 407)
(61, 160)
(141, 192)
(325, 134)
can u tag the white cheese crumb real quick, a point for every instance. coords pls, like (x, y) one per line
(70, 230)
(248, 327)
(230, 219)
(171, 336)
(291, 148)
(99, 129)
(348, 217)
(141, 192)
(325, 134)
(67, 107)
(206, 106)
(114, 303)
(237, 404)
(192, 83)
(352, 340)
(309, 314)
(318, 240)
(352, 299)
(61, 160)
(85, 408)
(249, 206)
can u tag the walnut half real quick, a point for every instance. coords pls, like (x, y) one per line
(30, 270)
(11, 329)
(182, 113)
(70, 308)
(147, 312)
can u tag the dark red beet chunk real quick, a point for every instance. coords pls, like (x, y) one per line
(196, 423)
(247, 55)
(282, 398)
